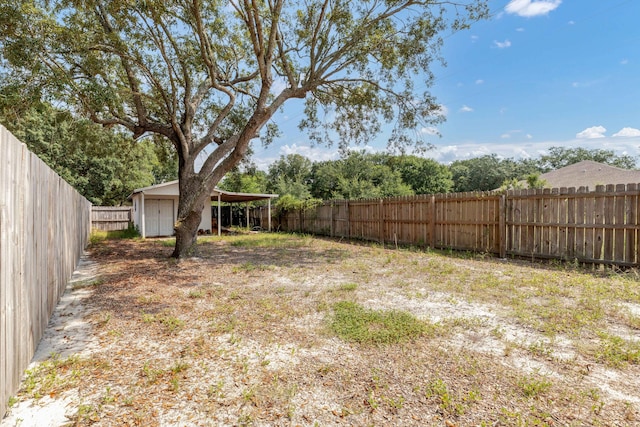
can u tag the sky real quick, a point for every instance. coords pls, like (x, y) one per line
(538, 74)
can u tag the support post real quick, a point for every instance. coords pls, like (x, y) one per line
(381, 224)
(143, 230)
(269, 212)
(502, 233)
(246, 209)
(219, 216)
(433, 222)
(331, 227)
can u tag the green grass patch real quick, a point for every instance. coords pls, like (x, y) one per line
(98, 236)
(616, 351)
(270, 240)
(354, 323)
(532, 386)
(168, 243)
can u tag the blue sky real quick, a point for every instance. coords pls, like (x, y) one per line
(537, 74)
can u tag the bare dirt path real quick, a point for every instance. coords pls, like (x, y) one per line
(246, 335)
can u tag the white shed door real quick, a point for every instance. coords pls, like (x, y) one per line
(158, 217)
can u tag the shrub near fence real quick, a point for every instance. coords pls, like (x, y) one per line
(565, 223)
(44, 227)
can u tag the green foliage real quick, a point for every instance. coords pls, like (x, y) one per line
(209, 76)
(352, 322)
(103, 165)
(291, 175)
(289, 203)
(251, 180)
(534, 181)
(488, 172)
(357, 175)
(559, 157)
(424, 176)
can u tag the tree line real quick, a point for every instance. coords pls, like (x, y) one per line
(106, 165)
(361, 175)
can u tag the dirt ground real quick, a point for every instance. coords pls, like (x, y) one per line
(242, 335)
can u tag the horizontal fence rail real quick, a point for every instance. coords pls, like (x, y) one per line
(598, 226)
(44, 228)
(111, 218)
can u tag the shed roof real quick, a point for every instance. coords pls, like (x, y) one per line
(171, 189)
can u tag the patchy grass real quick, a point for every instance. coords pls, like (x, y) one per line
(98, 236)
(279, 329)
(354, 323)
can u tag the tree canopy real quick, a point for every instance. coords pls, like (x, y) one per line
(103, 165)
(559, 157)
(209, 75)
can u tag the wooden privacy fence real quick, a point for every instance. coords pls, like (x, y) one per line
(44, 227)
(110, 218)
(565, 223)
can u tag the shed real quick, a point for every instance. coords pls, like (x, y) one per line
(155, 208)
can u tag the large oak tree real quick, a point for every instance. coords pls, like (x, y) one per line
(209, 75)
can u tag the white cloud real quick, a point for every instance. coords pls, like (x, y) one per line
(443, 110)
(530, 8)
(627, 132)
(313, 153)
(466, 109)
(592, 132)
(571, 22)
(505, 136)
(502, 45)
(474, 39)
(479, 81)
(519, 148)
(520, 30)
(279, 84)
(430, 130)
(529, 136)
(624, 61)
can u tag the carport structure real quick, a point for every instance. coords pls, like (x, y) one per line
(155, 208)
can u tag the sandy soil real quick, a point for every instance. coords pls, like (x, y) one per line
(239, 336)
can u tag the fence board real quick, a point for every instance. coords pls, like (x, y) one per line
(44, 226)
(599, 220)
(111, 218)
(631, 212)
(618, 219)
(571, 240)
(565, 223)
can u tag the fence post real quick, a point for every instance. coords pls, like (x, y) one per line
(331, 227)
(433, 222)
(502, 228)
(348, 219)
(381, 221)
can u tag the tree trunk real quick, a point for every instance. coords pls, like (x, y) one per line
(194, 195)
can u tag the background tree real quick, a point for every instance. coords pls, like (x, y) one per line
(247, 180)
(559, 157)
(424, 176)
(290, 175)
(357, 176)
(488, 172)
(103, 165)
(202, 73)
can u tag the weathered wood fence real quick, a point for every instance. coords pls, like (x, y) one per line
(110, 218)
(44, 227)
(565, 223)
